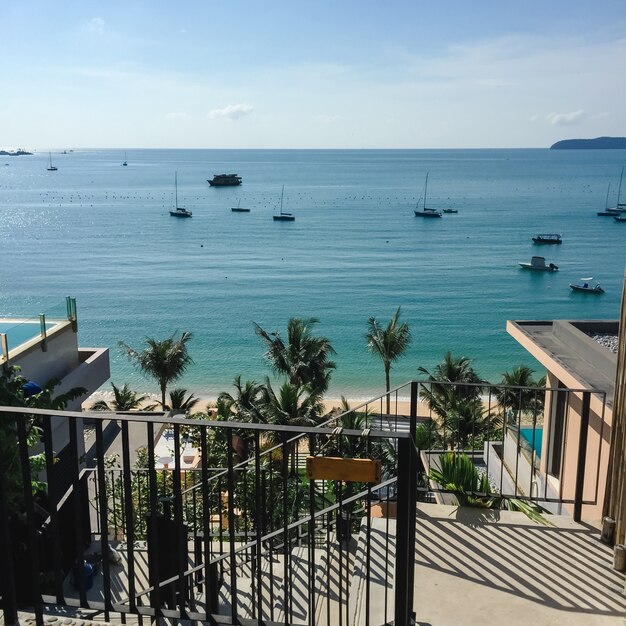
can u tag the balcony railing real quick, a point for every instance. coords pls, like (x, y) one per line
(246, 537)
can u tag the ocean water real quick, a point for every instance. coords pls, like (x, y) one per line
(102, 233)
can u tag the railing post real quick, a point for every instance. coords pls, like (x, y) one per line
(42, 328)
(405, 535)
(582, 456)
(7, 570)
(4, 348)
(413, 422)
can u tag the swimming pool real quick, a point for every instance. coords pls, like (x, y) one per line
(527, 434)
(20, 332)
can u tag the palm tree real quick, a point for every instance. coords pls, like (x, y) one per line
(304, 359)
(291, 406)
(124, 400)
(458, 405)
(521, 393)
(166, 360)
(178, 401)
(245, 405)
(441, 395)
(388, 343)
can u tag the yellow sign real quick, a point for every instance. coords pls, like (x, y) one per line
(349, 470)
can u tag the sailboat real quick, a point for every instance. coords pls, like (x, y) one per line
(620, 207)
(125, 164)
(425, 212)
(283, 217)
(51, 168)
(239, 208)
(178, 211)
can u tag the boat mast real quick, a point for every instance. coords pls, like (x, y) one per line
(425, 190)
(619, 189)
(606, 202)
(282, 193)
(176, 190)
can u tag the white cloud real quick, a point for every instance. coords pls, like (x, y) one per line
(231, 112)
(177, 115)
(328, 119)
(566, 119)
(96, 25)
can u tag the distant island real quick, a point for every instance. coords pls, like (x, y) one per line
(599, 143)
(18, 152)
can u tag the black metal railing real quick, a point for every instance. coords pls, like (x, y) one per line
(254, 540)
(244, 537)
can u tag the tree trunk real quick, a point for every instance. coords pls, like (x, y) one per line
(163, 390)
(388, 386)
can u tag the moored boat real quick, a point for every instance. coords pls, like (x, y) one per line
(282, 216)
(538, 264)
(425, 212)
(239, 208)
(51, 168)
(586, 287)
(450, 210)
(178, 211)
(225, 180)
(547, 238)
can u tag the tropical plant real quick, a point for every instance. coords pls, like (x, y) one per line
(166, 360)
(458, 474)
(124, 399)
(389, 344)
(181, 402)
(440, 394)
(304, 359)
(244, 406)
(14, 391)
(453, 395)
(520, 393)
(291, 406)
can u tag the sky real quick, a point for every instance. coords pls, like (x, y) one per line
(310, 74)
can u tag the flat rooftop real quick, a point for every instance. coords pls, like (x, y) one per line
(569, 346)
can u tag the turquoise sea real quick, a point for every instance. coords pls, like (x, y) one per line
(102, 233)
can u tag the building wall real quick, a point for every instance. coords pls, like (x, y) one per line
(600, 418)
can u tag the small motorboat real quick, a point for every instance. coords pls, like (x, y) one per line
(538, 264)
(586, 286)
(548, 238)
(450, 210)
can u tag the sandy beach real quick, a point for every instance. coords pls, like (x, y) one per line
(401, 406)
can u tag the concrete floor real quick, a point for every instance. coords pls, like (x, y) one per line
(478, 567)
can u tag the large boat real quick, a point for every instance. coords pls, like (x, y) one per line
(225, 180)
(51, 168)
(586, 287)
(548, 238)
(178, 211)
(425, 212)
(538, 264)
(282, 216)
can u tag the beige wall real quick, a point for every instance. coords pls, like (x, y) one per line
(598, 434)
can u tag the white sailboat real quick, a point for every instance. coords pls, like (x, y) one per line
(426, 212)
(51, 168)
(282, 216)
(178, 211)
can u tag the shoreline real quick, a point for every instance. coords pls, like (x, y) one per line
(401, 405)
